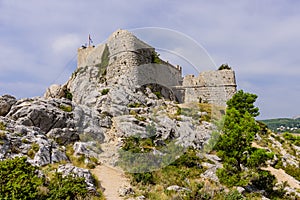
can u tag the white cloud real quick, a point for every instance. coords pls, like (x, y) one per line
(65, 43)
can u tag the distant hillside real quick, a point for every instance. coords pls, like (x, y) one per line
(283, 124)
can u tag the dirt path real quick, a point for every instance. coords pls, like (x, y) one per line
(111, 180)
(281, 176)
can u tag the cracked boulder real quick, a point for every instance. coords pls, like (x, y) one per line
(6, 102)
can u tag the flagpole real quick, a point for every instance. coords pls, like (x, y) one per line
(89, 40)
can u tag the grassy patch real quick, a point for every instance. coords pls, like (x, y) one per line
(134, 105)
(65, 108)
(2, 126)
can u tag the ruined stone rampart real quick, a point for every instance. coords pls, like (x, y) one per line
(211, 87)
(128, 56)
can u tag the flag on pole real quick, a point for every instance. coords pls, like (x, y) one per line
(90, 40)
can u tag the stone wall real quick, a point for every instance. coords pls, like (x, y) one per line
(131, 59)
(212, 87)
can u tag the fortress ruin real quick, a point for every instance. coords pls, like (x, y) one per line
(125, 54)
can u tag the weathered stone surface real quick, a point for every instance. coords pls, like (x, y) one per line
(124, 191)
(43, 113)
(63, 136)
(56, 91)
(21, 140)
(177, 188)
(6, 101)
(241, 190)
(89, 149)
(79, 172)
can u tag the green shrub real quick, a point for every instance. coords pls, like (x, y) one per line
(233, 195)
(104, 91)
(18, 179)
(143, 178)
(293, 171)
(294, 139)
(188, 159)
(155, 58)
(68, 95)
(264, 181)
(224, 66)
(67, 187)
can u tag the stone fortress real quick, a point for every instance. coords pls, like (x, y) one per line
(125, 54)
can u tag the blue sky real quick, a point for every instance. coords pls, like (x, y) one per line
(259, 39)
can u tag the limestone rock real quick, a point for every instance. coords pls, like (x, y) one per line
(241, 190)
(56, 91)
(31, 142)
(64, 136)
(211, 172)
(43, 113)
(124, 191)
(177, 188)
(6, 102)
(89, 149)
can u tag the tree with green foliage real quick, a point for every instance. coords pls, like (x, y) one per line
(243, 102)
(19, 179)
(234, 144)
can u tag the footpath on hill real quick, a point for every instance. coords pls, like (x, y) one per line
(112, 179)
(281, 176)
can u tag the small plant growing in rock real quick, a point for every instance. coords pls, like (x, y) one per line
(66, 108)
(2, 135)
(68, 95)
(158, 94)
(35, 147)
(134, 105)
(2, 126)
(140, 118)
(31, 153)
(224, 66)
(104, 91)
(155, 58)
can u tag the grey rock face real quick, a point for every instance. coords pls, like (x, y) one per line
(20, 140)
(42, 113)
(64, 136)
(6, 102)
(55, 91)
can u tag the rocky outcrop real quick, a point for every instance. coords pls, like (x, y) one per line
(42, 113)
(6, 101)
(56, 91)
(19, 140)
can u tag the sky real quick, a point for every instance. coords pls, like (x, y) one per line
(259, 39)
